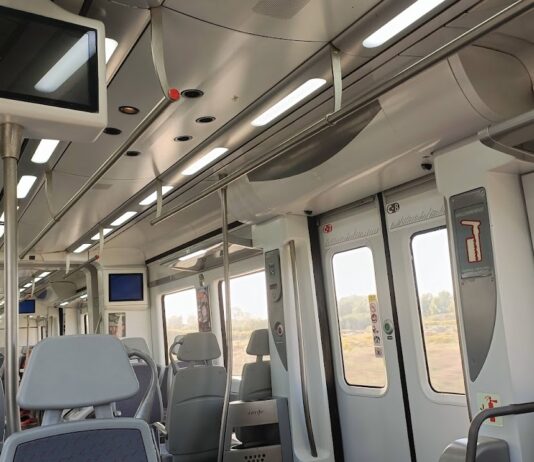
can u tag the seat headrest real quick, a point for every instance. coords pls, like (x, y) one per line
(77, 371)
(199, 346)
(258, 345)
(136, 343)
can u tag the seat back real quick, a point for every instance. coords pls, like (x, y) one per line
(143, 372)
(71, 372)
(256, 386)
(196, 399)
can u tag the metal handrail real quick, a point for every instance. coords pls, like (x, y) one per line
(300, 338)
(228, 320)
(144, 410)
(498, 19)
(481, 417)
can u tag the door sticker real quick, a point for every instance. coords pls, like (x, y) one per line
(490, 401)
(472, 243)
(375, 325)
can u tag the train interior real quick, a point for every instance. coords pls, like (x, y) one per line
(264, 230)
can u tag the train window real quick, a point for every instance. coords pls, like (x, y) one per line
(433, 276)
(355, 286)
(180, 314)
(249, 312)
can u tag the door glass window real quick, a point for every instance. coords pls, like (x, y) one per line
(359, 317)
(249, 312)
(180, 314)
(433, 276)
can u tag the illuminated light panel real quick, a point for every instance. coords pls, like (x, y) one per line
(27, 286)
(111, 46)
(25, 185)
(154, 196)
(44, 151)
(81, 248)
(1, 230)
(64, 304)
(37, 279)
(106, 231)
(83, 297)
(401, 22)
(198, 253)
(124, 218)
(204, 161)
(45, 274)
(286, 103)
(67, 65)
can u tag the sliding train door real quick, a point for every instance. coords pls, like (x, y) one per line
(397, 361)
(366, 356)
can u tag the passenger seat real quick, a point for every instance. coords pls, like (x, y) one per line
(256, 386)
(143, 372)
(71, 372)
(196, 398)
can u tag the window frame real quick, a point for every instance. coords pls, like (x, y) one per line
(164, 319)
(380, 390)
(420, 313)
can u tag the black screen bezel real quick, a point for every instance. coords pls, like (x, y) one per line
(93, 89)
(111, 300)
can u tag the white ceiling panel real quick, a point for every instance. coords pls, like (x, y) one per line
(306, 20)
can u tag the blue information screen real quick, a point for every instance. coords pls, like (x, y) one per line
(126, 287)
(27, 307)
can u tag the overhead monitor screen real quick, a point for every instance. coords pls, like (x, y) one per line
(126, 287)
(47, 61)
(27, 306)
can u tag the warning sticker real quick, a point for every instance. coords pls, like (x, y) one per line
(375, 326)
(490, 401)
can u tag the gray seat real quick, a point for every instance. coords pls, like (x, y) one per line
(77, 371)
(143, 372)
(195, 403)
(256, 386)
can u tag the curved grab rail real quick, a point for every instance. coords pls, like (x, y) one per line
(144, 410)
(481, 417)
(303, 375)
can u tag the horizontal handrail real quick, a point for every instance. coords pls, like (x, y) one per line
(481, 417)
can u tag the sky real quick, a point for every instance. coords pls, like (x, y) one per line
(354, 272)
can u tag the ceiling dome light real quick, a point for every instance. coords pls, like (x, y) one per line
(129, 110)
(183, 138)
(401, 22)
(112, 131)
(192, 93)
(205, 120)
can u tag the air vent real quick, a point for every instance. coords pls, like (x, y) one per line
(279, 9)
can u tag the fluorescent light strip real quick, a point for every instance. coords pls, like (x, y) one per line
(45, 274)
(25, 184)
(106, 231)
(111, 46)
(22, 290)
(37, 279)
(286, 103)
(64, 304)
(44, 151)
(198, 253)
(83, 297)
(124, 218)
(204, 161)
(401, 22)
(27, 286)
(1, 230)
(154, 196)
(68, 64)
(81, 248)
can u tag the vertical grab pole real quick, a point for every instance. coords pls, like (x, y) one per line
(228, 320)
(10, 142)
